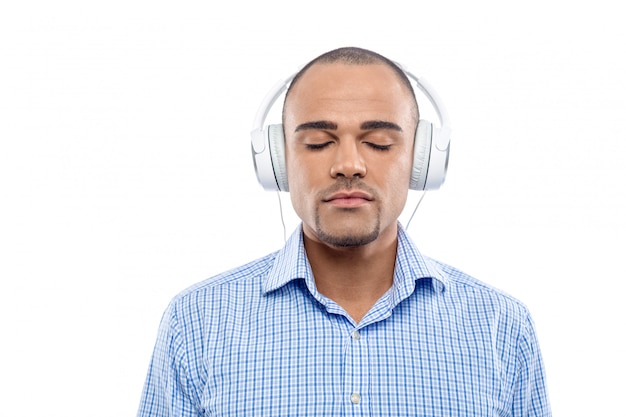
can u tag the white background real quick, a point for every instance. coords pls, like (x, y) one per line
(125, 173)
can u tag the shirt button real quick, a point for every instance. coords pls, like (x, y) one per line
(356, 335)
(355, 398)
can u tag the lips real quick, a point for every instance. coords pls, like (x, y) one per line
(342, 195)
(349, 198)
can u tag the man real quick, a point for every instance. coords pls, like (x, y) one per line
(348, 318)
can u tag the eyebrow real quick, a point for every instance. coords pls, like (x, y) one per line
(318, 125)
(369, 125)
(380, 124)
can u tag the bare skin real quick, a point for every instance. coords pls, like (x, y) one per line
(349, 133)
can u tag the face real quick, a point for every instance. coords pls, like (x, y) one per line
(349, 132)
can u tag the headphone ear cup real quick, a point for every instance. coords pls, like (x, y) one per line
(421, 155)
(276, 140)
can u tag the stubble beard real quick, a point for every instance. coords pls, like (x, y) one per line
(347, 240)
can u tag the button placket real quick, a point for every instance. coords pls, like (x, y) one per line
(357, 373)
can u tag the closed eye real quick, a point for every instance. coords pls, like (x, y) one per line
(378, 147)
(317, 146)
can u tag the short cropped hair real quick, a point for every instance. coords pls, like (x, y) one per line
(355, 56)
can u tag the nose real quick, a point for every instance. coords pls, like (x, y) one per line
(348, 161)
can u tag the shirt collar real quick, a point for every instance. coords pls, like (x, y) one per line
(291, 263)
(412, 266)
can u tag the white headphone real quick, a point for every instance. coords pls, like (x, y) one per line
(430, 153)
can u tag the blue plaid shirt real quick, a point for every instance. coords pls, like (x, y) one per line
(261, 341)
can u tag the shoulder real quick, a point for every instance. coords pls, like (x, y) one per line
(490, 312)
(472, 293)
(235, 285)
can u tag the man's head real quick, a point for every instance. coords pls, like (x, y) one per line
(349, 120)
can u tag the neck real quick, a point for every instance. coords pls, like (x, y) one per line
(355, 277)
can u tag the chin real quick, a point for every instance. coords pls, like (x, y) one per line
(347, 237)
(347, 241)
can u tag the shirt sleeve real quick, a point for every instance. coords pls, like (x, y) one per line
(168, 390)
(530, 395)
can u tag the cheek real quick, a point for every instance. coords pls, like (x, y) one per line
(294, 166)
(296, 177)
(397, 180)
(303, 171)
(301, 185)
(399, 172)
(398, 188)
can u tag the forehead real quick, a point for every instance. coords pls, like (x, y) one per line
(339, 84)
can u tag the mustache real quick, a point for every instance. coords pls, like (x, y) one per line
(344, 183)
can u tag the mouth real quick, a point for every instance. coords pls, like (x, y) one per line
(349, 199)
